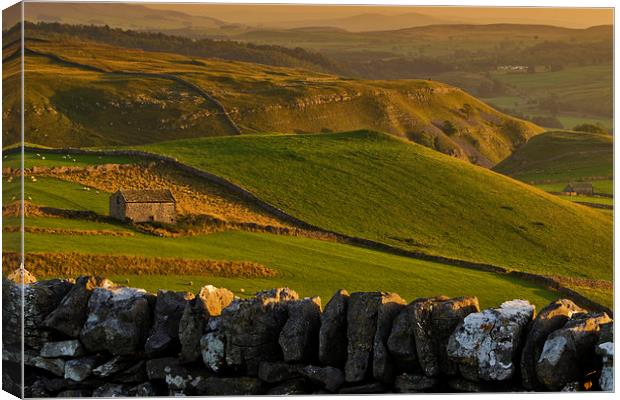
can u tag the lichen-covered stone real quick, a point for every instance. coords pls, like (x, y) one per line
(486, 344)
(605, 350)
(209, 302)
(40, 299)
(164, 336)
(212, 346)
(548, 320)
(251, 329)
(66, 348)
(112, 366)
(118, 320)
(70, 315)
(333, 331)
(445, 316)
(54, 365)
(299, 337)
(568, 349)
(79, 369)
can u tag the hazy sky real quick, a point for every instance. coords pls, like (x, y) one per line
(262, 14)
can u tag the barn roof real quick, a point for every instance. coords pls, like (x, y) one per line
(147, 196)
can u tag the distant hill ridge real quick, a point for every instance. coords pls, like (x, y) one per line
(141, 104)
(226, 49)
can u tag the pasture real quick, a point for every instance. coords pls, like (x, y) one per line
(311, 267)
(369, 185)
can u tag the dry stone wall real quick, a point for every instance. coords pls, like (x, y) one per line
(91, 337)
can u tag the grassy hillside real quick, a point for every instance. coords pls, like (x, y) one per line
(57, 193)
(308, 265)
(379, 187)
(561, 156)
(311, 267)
(88, 94)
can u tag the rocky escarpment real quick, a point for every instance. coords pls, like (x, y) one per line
(91, 337)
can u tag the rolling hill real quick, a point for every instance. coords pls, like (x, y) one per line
(63, 246)
(386, 189)
(115, 96)
(561, 156)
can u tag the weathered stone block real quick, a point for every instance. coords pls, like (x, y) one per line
(79, 369)
(118, 320)
(333, 331)
(66, 348)
(362, 314)
(251, 329)
(486, 344)
(299, 338)
(567, 350)
(550, 319)
(164, 336)
(70, 315)
(383, 366)
(209, 302)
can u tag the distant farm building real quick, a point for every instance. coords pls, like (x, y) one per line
(513, 68)
(144, 206)
(577, 188)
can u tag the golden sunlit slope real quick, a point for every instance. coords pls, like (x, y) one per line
(82, 93)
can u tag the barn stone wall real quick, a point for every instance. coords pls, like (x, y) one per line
(145, 212)
(92, 337)
(117, 207)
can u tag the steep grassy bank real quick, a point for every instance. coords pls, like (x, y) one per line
(561, 156)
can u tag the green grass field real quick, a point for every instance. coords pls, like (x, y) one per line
(56, 193)
(65, 223)
(381, 188)
(561, 156)
(309, 266)
(59, 160)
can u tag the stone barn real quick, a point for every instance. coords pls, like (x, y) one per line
(577, 188)
(152, 205)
